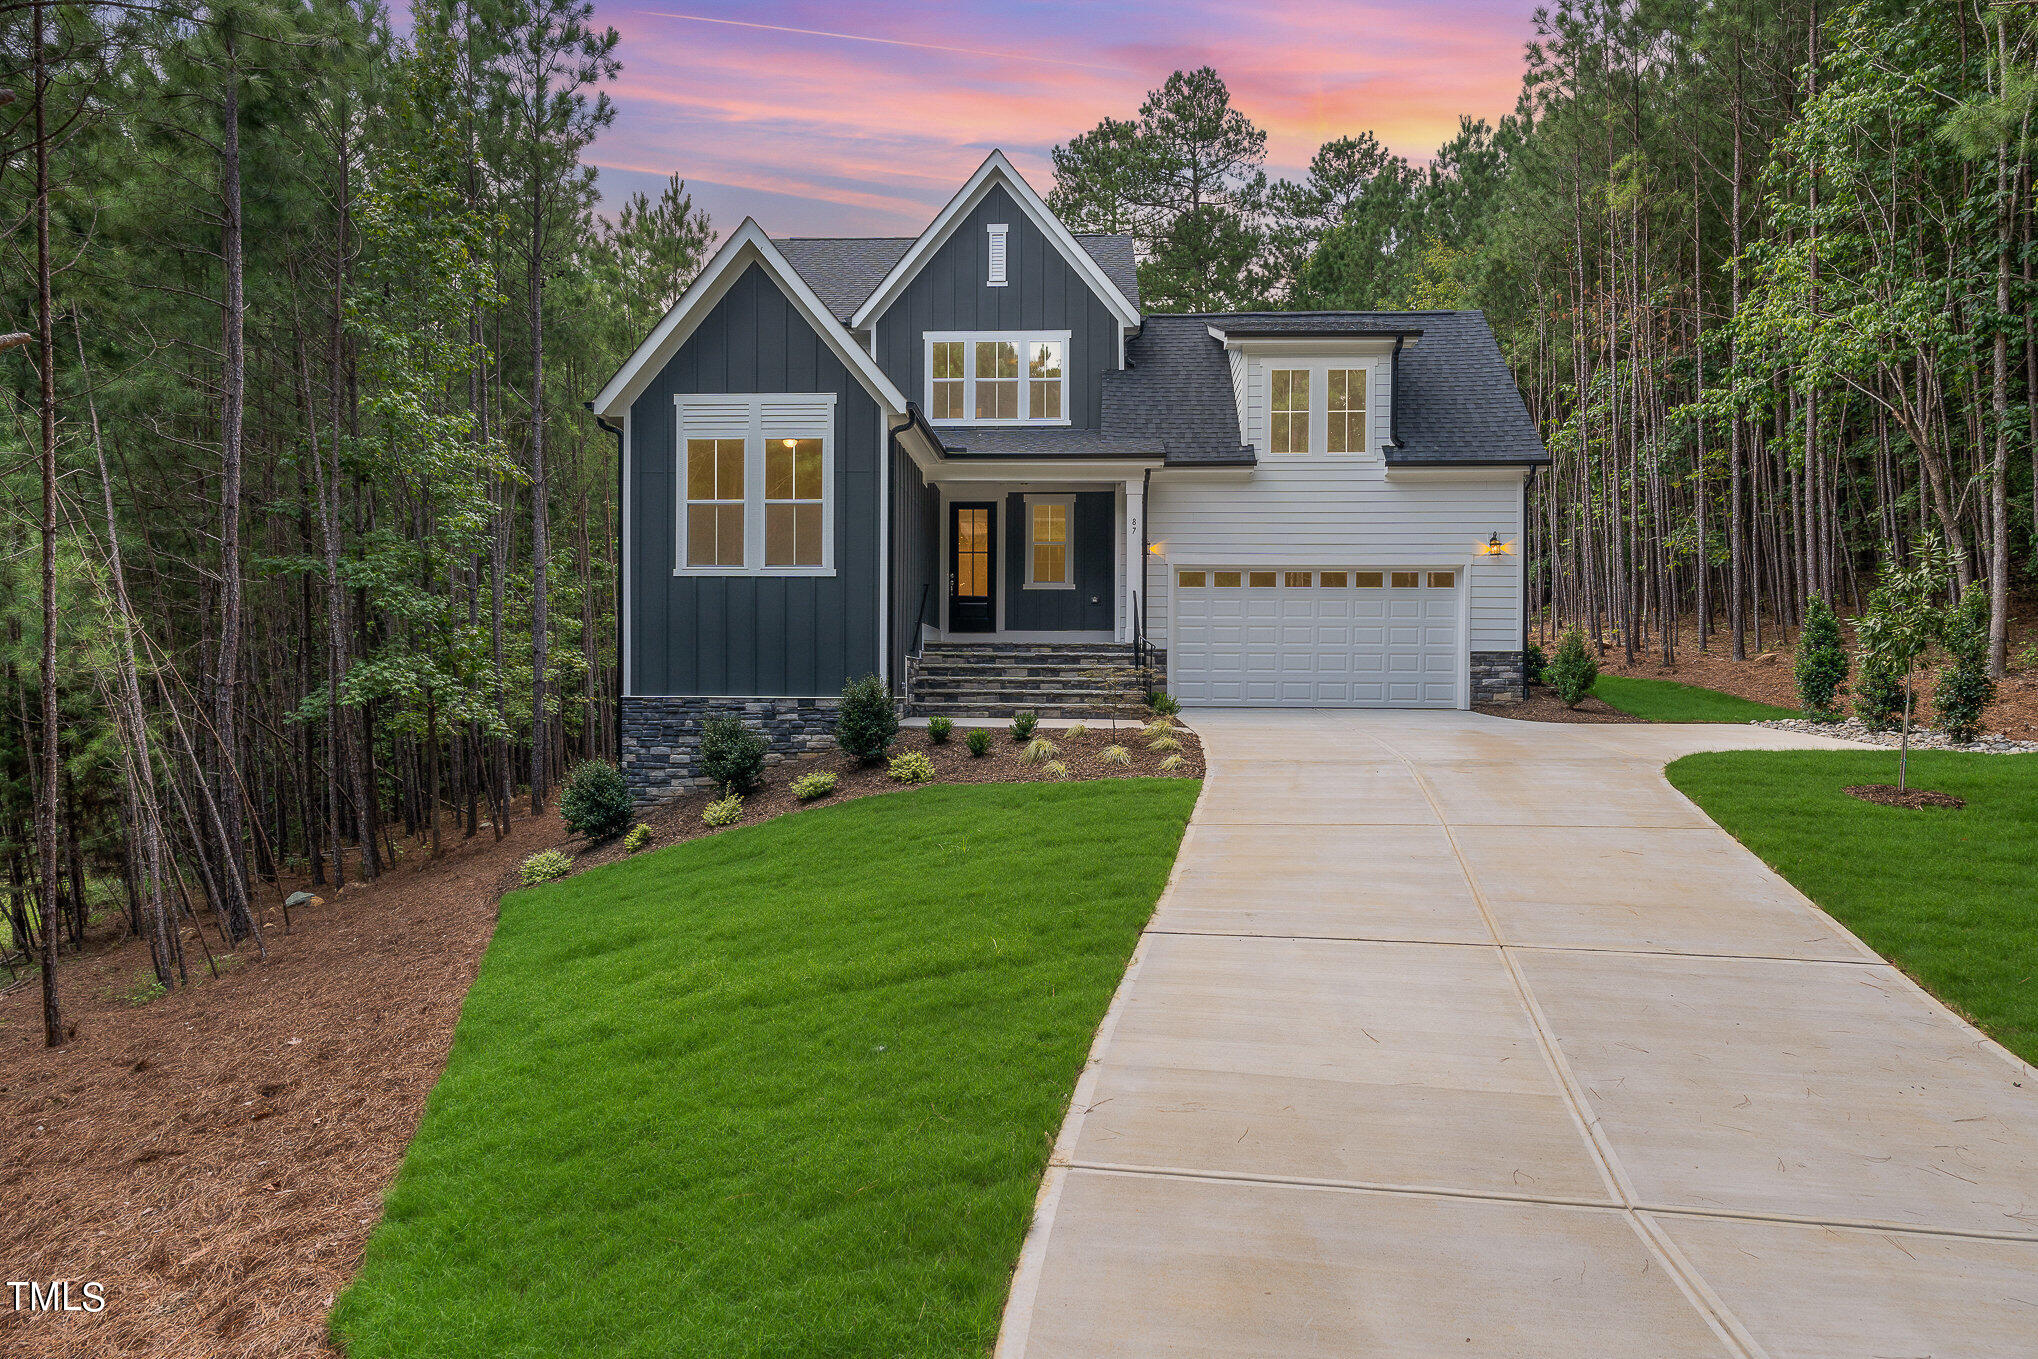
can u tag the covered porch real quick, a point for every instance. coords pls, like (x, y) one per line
(1044, 552)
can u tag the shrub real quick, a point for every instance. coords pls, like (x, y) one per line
(1821, 661)
(639, 836)
(1164, 703)
(595, 801)
(979, 742)
(814, 786)
(1964, 686)
(726, 811)
(1039, 751)
(1075, 730)
(1118, 755)
(1164, 742)
(911, 767)
(938, 729)
(732, 754)
(1878, 696)
(1023, 725)
(546, 866)
(1160, 726)
(868, 722)
(1172, 763)
(1055, 769)
(1533, 662)
(1575, 669)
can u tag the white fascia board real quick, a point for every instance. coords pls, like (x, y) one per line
(955, 470)
(747, 244)
(1368, 346)
(1491, 474)
(995, 170)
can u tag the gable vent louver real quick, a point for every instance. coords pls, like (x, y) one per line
(996, 275)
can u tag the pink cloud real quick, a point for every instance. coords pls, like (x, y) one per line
(873, 113)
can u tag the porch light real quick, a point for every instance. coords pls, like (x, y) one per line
(1493, 547)
(1157, 549)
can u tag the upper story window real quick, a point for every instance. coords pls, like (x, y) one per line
(1288, 410)
(756, 484)
(1311, 406)
(998, 378)
(1347, 411)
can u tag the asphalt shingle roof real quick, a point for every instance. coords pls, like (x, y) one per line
(1455, 402)
(1175, 391)
(844, 270)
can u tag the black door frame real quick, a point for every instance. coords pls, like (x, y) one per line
(965, 614)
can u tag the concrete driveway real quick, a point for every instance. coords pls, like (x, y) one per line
(1460, 1036)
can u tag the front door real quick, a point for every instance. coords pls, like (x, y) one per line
(972, 568)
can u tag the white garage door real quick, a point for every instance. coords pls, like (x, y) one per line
(1364, 638)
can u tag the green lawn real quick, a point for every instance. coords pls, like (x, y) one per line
(1948, 896)
(1669, 701)
(786, 1090)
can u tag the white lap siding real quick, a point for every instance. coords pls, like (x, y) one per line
(1343, 516)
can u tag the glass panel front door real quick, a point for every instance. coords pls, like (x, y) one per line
(972, 568)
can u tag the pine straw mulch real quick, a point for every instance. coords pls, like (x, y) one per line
(1768, 676)
(216, 1158)
(1543, 705)
(680, 819)
(1889, 795)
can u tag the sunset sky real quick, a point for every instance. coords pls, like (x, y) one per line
(861, 119)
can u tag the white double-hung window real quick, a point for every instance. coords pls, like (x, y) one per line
(756, 484)
(998, 378)
(1306, 407)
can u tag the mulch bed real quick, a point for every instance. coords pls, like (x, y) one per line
(1889, 795)
(1543, 705)
(1769, 677)
(216, 1157)
(680, 819)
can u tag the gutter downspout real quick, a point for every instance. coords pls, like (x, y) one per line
(1145, 536)
(1394, 395)
(622, 567)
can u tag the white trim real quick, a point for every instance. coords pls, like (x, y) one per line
(953, 471)
(1067, 501)
(968, 339)
(995, 254)
(884, 551)
(623, 571)
(818, 416)
(995, 169)
(747, 245)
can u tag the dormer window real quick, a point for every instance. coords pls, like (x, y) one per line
(1002, 378)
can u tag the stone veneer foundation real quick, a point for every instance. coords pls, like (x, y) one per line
(1496, 677)
(662, 736)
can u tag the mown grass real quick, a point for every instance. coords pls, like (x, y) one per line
(1945, 895)
(785, 1090)
(1669, 701)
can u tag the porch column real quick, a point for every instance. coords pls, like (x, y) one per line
(1135, 555)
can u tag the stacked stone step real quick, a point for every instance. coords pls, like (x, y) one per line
(1002, 679)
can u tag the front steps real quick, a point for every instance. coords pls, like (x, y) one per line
(1060, 680)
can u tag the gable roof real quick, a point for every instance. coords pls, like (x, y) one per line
(844, 270)
(747, 245)
(1455, 401)
(996, 170)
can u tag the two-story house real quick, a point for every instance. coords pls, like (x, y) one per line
(968, 463)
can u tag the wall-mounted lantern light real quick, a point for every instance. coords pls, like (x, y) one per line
(1493, 547)
(1157, 549)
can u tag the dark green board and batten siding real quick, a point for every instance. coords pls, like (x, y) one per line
(1044, 292)
(752, 635)
(1090, 607)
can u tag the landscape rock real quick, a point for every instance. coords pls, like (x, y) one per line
(1922, 738)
